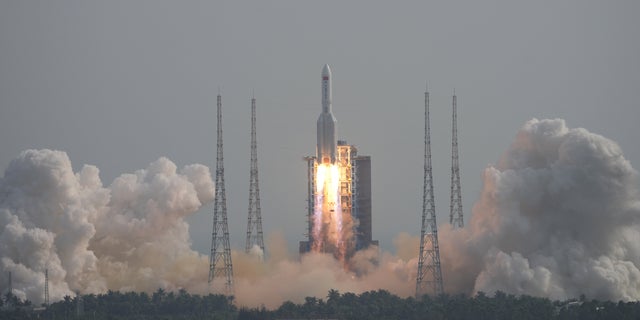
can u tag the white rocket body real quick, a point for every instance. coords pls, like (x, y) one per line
(327, 145)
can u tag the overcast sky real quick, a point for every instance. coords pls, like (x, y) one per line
(118, 84)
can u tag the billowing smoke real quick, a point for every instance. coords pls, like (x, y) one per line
(283, 278)
(132, 236)
(128, 236)
(558, 217)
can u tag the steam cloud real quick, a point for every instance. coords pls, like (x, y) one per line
(558, 217)
(132, 236)
(283, 278)
(128, 236)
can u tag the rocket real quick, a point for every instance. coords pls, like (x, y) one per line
(326, 148)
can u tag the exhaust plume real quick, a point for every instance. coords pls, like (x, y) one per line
(557, 217)
(130, 235)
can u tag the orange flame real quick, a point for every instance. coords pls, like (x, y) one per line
(327, 220)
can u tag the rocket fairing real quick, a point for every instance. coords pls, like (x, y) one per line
(326, 148)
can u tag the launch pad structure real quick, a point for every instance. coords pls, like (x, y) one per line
(338, 223)
(355, 198)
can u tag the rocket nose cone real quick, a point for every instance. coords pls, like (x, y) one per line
(326, 71)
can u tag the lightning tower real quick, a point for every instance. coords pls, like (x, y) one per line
(46, 287)
(220, 258)
(254, 223)
(10, 291)
(455, 212)
(429, 279)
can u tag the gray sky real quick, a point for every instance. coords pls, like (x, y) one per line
(118, 84)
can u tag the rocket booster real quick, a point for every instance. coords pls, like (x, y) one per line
(326, 148)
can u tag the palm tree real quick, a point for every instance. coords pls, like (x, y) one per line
(333, 296)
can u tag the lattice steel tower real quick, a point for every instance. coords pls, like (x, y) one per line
(46, 287)
(220, 258)
(455, 212)
(429, 279)
(10, 291)
(254, 223)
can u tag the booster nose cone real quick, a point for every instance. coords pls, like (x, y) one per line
(326, 89)
(326, 72)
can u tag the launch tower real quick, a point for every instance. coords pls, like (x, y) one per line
(339, 190)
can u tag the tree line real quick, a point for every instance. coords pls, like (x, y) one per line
(379, 304)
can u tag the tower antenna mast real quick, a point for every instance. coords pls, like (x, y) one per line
(429, 279)
(455, 213)
(220, 258)
(254, 223)
(46, 287)
(10, 284)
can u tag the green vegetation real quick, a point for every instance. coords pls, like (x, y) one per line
(369, 305)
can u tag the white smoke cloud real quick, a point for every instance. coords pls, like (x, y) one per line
(128, 236)
(281, 277)
(558, 217)
(132, 236)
